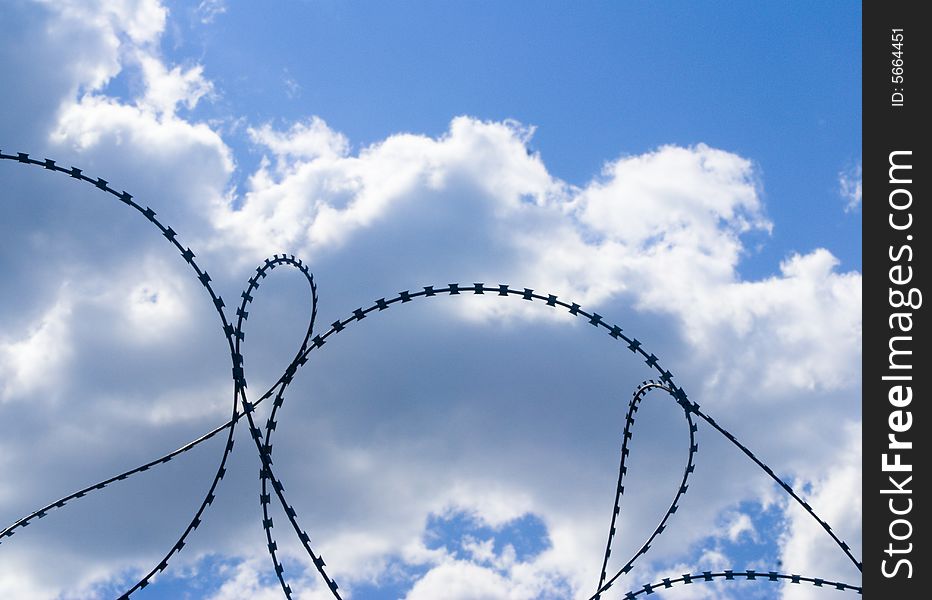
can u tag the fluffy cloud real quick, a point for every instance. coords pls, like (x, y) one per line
(669, 243)
(32, 362)
(462, 580)
(849, 186)
(837, 493)
(493, 407)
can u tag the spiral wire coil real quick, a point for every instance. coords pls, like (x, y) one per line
(271, 485)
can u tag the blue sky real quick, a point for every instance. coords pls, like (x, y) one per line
(690, 171)
(777, 82)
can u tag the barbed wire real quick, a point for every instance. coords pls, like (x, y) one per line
(262, 437)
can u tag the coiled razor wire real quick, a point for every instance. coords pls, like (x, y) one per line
(262, 437)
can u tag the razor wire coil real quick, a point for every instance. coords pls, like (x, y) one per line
(262, 437)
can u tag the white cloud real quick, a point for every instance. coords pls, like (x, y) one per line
(671, 243)
(379, 436)
(462, 580)
(98, 27)
(318, 196)
(697, 194)
(708, 560)
(740, 524)
(248, 580)
(309, 141)
(836, 497)
(167, 88)
(34, 362)
(771, 327)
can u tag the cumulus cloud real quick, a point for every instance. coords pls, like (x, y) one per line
(740, 524)
(493, 407)
(166, 89)
(308, 141)
(671, 243)
(836, 494)
(463, 580)
(318, 196)
(248, 580)
(33, 362)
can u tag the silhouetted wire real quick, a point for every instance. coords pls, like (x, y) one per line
(262, 437)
